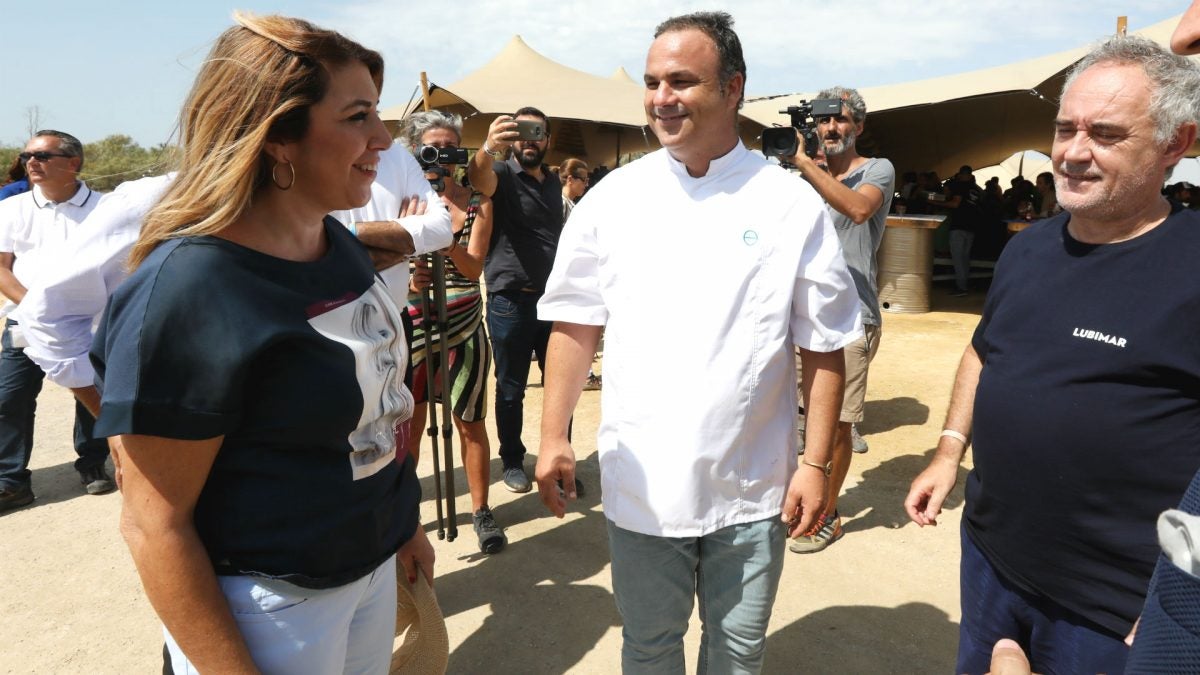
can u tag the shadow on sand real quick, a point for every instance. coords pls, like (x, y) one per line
(531, 592)
(878, 499)
(911, 638)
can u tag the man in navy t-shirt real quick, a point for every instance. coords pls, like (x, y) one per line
(1081, 386)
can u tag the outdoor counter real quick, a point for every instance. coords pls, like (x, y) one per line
(906, 263)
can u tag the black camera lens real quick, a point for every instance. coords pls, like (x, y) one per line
(428, 154)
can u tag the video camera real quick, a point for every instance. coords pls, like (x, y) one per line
(781, 141)
(431, 159)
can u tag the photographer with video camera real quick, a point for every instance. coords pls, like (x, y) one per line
(858, 193)
(434, 138)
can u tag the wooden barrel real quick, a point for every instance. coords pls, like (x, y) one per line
(906, 266)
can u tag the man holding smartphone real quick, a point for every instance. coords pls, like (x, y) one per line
(527, 206)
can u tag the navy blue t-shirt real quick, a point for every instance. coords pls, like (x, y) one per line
(299, 365)
(527, 224)
(1087, 413)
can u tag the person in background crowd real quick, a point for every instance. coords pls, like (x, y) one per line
(574, 176)
(15, 181)
(467, 343)
(1047, 202)
(1078, 395)
(965, 203)
(33, 226)
(262, 433)
(694, 486)
(573, 173)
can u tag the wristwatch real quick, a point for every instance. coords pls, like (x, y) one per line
(494, 154)
(827, 467)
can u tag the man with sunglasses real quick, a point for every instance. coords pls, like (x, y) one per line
(32, 225)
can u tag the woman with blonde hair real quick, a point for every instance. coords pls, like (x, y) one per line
(252, 366)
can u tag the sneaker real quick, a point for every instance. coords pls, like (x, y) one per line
(593, 383)
(96, 481)
(491, 536)
(818, 537)
(12, 498)
(516, 480)
(800, 435)
(857, 442)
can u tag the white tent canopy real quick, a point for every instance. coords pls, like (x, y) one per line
(592, 117)
(976, 118)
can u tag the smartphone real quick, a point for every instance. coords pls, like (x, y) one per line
(530, 130)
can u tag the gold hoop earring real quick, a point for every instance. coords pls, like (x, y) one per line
(276, 180)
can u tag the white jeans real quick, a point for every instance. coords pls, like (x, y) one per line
(295, 630)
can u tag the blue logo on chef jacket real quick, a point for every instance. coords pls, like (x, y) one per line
(750, 237)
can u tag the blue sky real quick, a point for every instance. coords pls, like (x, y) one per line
(127, 67)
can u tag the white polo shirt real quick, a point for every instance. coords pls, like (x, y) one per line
(704, 285)
(61, 308)
(399, 177)
(31, 224)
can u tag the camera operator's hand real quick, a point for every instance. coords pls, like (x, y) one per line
(805, 164)
(502, 134)
(420, 276)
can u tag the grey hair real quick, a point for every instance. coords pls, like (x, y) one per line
(1175, 80)
(70, 145)
(850, 98)
(419, 122)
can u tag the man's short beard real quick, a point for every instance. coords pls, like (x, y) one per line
(844, 145)
(530, 163)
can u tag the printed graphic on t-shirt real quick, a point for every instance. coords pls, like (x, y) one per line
(370, 326)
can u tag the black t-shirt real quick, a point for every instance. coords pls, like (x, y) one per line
(300, 367)
(527, 224)
(968, 215)
(1087, 413)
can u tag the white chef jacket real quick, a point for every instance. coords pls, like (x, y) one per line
(703, 285)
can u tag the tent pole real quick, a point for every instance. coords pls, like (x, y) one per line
(425, 91)
(1122, 25)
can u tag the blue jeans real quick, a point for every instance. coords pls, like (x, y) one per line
(734, 571)
(515, 334)
(960, 255)
(1056, 639)
(20, 383)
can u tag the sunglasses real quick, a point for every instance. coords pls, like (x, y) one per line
(41, 156)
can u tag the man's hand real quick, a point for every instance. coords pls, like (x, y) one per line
(1009, 659)
(805, 164)
(502, 133)
(929, 490)
(417, 553)
(412, 206)
(805, 499)
(556, 463)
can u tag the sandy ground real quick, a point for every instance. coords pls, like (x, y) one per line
(883, 599)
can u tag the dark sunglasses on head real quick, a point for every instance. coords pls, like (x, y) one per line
(41, 156)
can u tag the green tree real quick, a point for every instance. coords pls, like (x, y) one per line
(117, 158)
